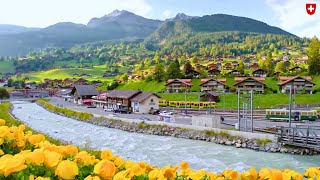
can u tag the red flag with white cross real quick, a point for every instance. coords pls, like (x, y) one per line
(311, 8)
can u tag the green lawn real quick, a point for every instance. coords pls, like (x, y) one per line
(152, 86)
(96, 74)
(7, 67)
(261, 100)
(272, 83)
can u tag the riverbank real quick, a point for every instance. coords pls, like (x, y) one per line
(223, 137)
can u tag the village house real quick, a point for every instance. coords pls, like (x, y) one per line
(81, 81)
(210, 96)
(259, 73)
(295, 69)
(211, 66)
(227, 66)
(250, 83)
(178, 85)
(234, 73)
(128, 101)
(193, 73)
(144, 102)
(254, 66)
(213, 84)
(235, 63)
(214, 72)
(82, 94)
(299, 84)
(68, 82)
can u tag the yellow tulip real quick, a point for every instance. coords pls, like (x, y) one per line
(92, 178)
(129, 164)
(67, 170)
(107, 154)
(184, 166)
(36, 157)
(2, 122)
(121, 176)
(119, 162)
(85, 158)
(67, 150)
(14, 164)
(51, 158)
(36, 139)
(4, 131)
(1, 152)
(212, 176)
(31, 177)
(154, 174)
(264, 174)
(146, 167)
(169, 172)
(198, 175)
(231, 174)
(42, 178)
(3, 162)
(136, 170)
(105, 169)
(275, 174)
(253, 174)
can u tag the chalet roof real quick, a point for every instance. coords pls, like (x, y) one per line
(307, 78)
(85, 90)
(143, 96)
(242, 79)
(123, 94)
(258, 70)
(184, 81)
(220, 80)
(286, 78)
(294, 68)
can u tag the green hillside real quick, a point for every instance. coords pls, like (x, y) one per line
(7, 67)
(152, 86)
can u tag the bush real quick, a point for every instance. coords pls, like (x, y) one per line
(4, 94)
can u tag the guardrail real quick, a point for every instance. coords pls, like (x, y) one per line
(302, 135)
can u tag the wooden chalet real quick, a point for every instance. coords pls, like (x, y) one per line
(214, 72)
(213, 84)
(250, 83)
(178, 85)
(210, 96)
(259, 73)
(81, 93)
(234, 72)
(296, 83)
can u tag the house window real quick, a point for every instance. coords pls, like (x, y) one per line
(151, 100)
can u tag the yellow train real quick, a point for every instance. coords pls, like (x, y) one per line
(188, 104)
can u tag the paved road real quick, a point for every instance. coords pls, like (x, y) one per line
(180, 119)
(229, 118)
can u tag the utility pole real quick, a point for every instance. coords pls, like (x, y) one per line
(290, 103)
(185, 101)
(224, 100)
(251, 107)
(239, 109)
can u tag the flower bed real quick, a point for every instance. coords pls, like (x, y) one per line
(25, 155)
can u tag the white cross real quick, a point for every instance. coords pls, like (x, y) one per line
(310, 8)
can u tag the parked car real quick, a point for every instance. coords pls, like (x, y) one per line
(108, 109)
(91, 106)
(154, 111)
(121, 111)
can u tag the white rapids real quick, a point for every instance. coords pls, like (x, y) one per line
(155, 150)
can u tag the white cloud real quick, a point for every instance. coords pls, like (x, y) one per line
(167, 14)
(293, 17)
(46, 12)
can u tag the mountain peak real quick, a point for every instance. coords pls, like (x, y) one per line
(182, 16)
(117, 12)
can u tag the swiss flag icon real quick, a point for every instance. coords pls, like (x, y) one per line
(311, 8)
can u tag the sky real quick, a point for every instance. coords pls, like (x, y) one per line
(289, 15)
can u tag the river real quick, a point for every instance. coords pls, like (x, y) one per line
(155, 150)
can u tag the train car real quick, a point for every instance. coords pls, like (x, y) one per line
(188, 104)
(296, 115)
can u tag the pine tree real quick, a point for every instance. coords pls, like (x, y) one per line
(314, 56)
(158, 74)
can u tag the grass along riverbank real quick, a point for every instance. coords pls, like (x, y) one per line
(259, 100)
